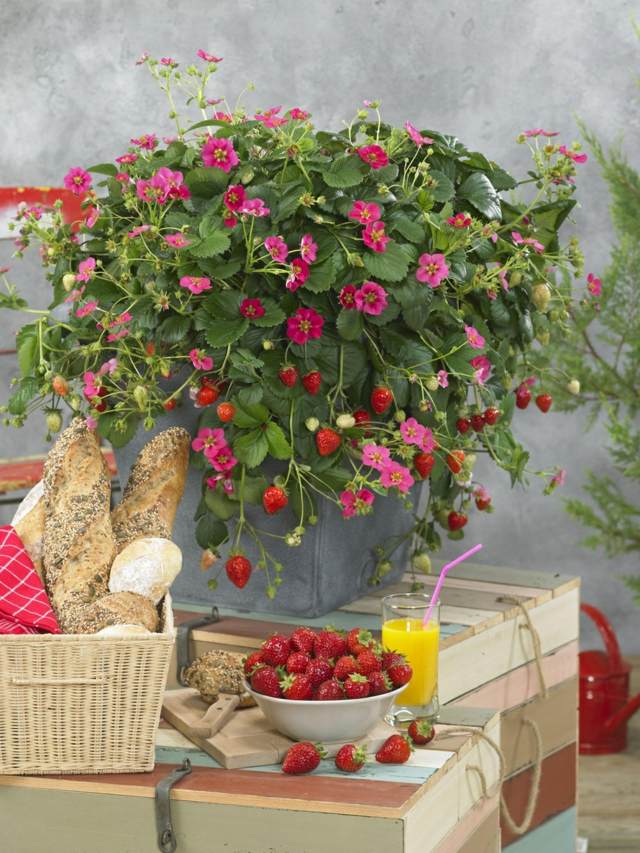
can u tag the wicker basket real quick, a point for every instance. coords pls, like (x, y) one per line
(82, 703)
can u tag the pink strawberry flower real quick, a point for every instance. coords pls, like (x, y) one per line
(196, 284)
(432, 269)
(170, 184)
(428, 443)
(127, 159)
(443, 378)
(252, 309)
(538, 131)
(558, 479)
(481, 369)
(298, 275)
(91, 385)
(504, 281)
(254, 207)
(371, 298)
(209, 57)
(347, 297)
(75, 294)
(148, 191)
(305, 325)
(77, 180)
(270, 117)
(222, 459)
(277, 248)
(86, 269)
(91, 422)
(167, 60)
(177, 240)
(573, 155)
(594, 285)
(92, 217)
(117, 336)
(374, 237)
(108, 367)
(169, 139)
(208, 439)
(230, 222)
(227, 484)
(364, 212)
(308, 248)
(122, 178)
(142, 58)
(86, 309)
(234, 197)
(376, 456)
(396, 476)
(460, 220)
(412, 432)
(147, 141)
(219, 115)
(299, 115)
(137, 231)
(474, 338)
(358, 503)
(200, 360)
(374, 155)
(416, 136)
(519, 240)
(219, 153)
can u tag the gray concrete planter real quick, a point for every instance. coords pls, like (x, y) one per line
(331, 567)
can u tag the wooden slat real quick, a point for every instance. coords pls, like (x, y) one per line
(526, 592)
(553, 581)
(556, 835)
(477, 832)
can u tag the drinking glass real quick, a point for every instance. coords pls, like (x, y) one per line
(403, 631)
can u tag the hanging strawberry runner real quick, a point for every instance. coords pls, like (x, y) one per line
(352, 311)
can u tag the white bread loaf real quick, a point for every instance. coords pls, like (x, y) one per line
(123, 631)
(28, 523)
(147, 566)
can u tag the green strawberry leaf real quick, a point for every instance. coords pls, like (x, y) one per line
(211, 533)
(391, 265)
(350, 324)
(279, 447)
(251, 448)
(220, 333)
(480, 192)
(344, 172)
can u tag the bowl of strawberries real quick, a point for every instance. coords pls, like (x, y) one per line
(325, 685)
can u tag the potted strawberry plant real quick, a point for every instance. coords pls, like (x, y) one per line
(339, 317)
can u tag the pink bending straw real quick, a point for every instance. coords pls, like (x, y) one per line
(436, 592)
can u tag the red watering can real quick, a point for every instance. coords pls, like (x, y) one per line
(605, 705)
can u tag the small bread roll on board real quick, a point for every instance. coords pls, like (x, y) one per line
(78, 543)
(28, 523)
(154, 489)
(147, 566)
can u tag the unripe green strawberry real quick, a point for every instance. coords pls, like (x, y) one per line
(573, 387)
(141, 396)
(345, 421)
(541, 296)
(68, 280)
(54, 420)
(432, 383)
(422, 563)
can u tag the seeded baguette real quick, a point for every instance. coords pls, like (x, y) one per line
(154, 489)
(116, 608)
(78, 543)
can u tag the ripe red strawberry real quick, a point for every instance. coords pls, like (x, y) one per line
(344, 667)
(296, 686)
(267, 681)
(274, 499)
(329, 691)
(368, 662)
(297, 662)
(351, 758)
(319, 670)
(226, 412)
(395, 750)
(423, 463)
(327, 441)
(362, 417)
(302, 639)
(543, 402)
(329, 644)
(150, 348)
(381, 399)
(491, 416)
(523, 396)
(400, 674)
(421, 732)
(356, 686)
(455, 460)
(391, 658)
(477, 422)
(302, 758)
(483, 502)
(276, 650)
(169, 405)
(207, 395)
(238, 570)
(60, 385)
(379, 682)
(359, 640)
(312, 382)
(463, 425)
(456, 520)
(251, 662)
(288, 375)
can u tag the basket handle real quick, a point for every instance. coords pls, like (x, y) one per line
(34, 681)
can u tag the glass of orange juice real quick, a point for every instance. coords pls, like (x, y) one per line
(403, 631)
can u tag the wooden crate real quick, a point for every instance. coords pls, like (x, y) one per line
(488, 681)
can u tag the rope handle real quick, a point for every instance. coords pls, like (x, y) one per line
(34, 681)
(535, 639)
(532, 801)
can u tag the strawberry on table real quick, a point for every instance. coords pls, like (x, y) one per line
(302, 639)
(379, 683)
(276, 650)
(390, 658)
(297, 662)
(328, 691)
(356, 686)
(400, 674)
(395, 750)
(368, 662)
(298, 687)
(344, 667)
(329, 644)
(251, 662)
(302, 758)
(350, 758)
(266, 680)
(359, 640)
(421, 732)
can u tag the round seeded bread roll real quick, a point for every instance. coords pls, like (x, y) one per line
(147, 566)
(116, 608)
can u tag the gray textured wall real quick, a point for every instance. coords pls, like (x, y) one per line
(481, 69)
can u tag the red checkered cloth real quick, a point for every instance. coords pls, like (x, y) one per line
(24, 606)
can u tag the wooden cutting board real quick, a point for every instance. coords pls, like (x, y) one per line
(239, 737)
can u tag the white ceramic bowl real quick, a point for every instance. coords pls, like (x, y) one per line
(341, 720)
